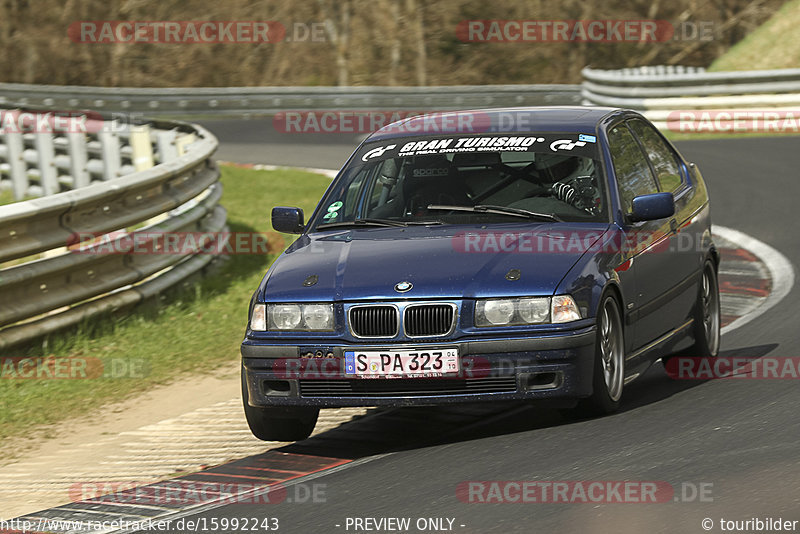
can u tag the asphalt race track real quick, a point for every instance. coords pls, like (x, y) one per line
(258, 141)
(737, 439)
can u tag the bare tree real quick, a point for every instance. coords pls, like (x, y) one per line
(415, 11)
(367, 42)
(338, 32)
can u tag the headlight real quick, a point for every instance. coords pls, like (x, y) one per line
(527, 310)
(564, 309)
(497, 311)
(284, 316)
(534, 310)
(511, 312)
(318, 316)
(258, 321)
(308, 317)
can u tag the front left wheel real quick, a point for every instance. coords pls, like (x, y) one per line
(278, 423)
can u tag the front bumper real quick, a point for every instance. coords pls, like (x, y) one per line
(550, 366)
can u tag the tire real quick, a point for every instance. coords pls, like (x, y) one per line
(608, 377)
(707, 315)
(278, 423)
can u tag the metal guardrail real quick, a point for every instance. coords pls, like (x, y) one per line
(265, 100)
(91, 187)
(646, 88)
(659, 91)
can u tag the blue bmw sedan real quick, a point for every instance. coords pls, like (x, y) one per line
(485, 255)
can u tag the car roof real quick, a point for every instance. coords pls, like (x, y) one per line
(578, 119)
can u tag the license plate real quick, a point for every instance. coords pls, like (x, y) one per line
(401, 363)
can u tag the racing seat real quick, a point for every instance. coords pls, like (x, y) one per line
(432, 179)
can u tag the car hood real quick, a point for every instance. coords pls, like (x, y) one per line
(438, 261)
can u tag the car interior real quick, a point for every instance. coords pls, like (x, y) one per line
(544, 183)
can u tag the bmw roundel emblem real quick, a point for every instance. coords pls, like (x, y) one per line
(402, 287)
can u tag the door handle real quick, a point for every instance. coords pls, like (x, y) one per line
(673, 226)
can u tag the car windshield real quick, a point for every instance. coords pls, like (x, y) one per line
(397, 182)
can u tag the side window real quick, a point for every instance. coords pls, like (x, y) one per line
(634, 176)
(663, 159)
(351, 198)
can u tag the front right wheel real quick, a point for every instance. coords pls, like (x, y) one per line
(609, 362)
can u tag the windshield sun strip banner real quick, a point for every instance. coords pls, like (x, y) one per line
(561, 143)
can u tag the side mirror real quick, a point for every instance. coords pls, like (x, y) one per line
(653, 206)
(288, 220)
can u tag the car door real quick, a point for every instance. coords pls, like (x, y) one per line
(646, 242)
(686, 237)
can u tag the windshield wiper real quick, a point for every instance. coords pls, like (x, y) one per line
(363, 222)
(422, 223)
(518, 211)
(503, 210)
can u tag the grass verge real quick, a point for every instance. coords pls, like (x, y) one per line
(6, 197)
(195, 333)
(770, 46)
